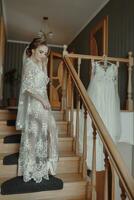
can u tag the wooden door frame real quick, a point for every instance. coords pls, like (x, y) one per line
(104, 25)
(53, 55)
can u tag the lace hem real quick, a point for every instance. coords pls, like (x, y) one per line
(37, 175)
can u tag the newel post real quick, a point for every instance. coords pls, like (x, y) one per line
(129, 104)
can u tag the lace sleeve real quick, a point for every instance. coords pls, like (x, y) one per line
(45, 70)
(28, 79)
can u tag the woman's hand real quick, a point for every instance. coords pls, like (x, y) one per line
(46, 106)
(44, 61)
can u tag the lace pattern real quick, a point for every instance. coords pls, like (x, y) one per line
(39, 141)
(103, 92)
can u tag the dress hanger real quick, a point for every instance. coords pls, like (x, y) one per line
(105, 61)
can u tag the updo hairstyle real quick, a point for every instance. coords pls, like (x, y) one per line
(34, 45)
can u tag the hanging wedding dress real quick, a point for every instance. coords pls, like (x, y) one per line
(103, 91)
(39, 139)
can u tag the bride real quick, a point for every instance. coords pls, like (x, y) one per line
(38, 154)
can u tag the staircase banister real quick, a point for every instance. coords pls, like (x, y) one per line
(118, 163)
(89, 57)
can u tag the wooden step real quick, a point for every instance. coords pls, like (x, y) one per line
(58, 115)
(2, 136)
(65, 144)
(11, 115)
(74, 189)
(66, 164)
(9, 130)
(3, 123)
(7, 115)
(61, 154)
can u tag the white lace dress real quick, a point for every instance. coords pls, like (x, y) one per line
(103, 91)
(39, 140)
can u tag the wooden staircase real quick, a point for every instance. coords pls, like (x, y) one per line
(69, 165)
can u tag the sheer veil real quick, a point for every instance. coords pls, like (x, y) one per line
(21, 110)
(24, 58)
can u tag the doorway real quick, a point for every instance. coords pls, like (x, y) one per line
(99, 38)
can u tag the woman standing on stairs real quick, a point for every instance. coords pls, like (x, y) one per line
(38, 149)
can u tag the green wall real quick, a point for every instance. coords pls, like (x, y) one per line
(0, 7)
(13, 60)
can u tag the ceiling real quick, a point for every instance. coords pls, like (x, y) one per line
(66, 18)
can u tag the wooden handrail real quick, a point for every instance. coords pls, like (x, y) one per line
(114, 155)
(90, 57)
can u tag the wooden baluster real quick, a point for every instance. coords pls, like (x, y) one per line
(93, 179)
(77, 124)
(72, 109)
(65, 52)
(77, 113)
(106, 160)
(113, 183)
(123, 193)
(69, 111)
(109, 180)
(67, 100)
(64, 86)
(84, 170)
(79, 63)
(64, 92)
(129, 104)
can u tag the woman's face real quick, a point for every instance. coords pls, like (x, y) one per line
(40, 52)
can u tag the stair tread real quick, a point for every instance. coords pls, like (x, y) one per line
(74, 188)
(3, 122)
(57, 122)
(4, 129)
(4, 134)
(11, 115)
(60, 138)
(60, 135)
(9, 108)
(62, 155)
(70, 177)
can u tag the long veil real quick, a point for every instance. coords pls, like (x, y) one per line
(24, 55)
(24, 58)
(22, 99)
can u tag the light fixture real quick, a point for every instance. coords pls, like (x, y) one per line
(44, 31)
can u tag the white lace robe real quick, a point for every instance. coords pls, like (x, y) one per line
(38, 149)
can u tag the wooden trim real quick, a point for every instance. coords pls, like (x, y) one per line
(2, 53)
(103, 24)
(55, 54)
(89, 57)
